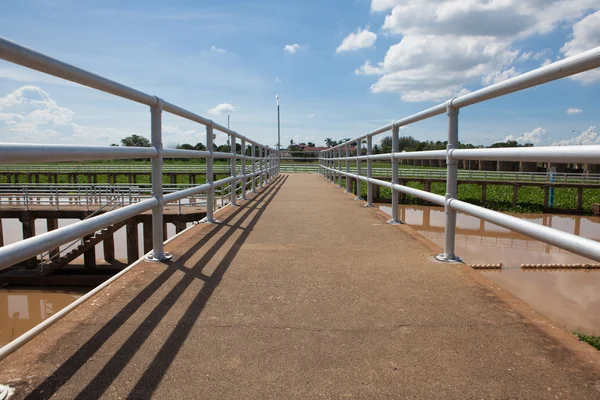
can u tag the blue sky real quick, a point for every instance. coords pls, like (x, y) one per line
(341, 68)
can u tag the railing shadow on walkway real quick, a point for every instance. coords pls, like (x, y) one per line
(152, 377)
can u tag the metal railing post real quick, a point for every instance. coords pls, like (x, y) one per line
(348, 184)
(358, 169)
(369, 171)
(395, 194)
(451, 186)
(210, 194)
(260, 166)
(243, 169)
(254, 168)
(233, 198)
(158, 253)
(338, 167)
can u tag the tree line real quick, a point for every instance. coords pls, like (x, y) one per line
(140, 141)
(409, 143)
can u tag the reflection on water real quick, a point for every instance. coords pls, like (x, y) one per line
(12, 230)
(572, 298)
(22, 309)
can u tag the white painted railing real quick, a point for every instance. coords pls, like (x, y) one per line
(261, 168)
(331, 160)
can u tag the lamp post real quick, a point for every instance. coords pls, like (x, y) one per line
(278, 125)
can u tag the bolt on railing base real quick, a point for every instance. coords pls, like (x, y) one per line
(165, 257)
(392, 222)
(205, 221)
(358, 198)
(368, 205)
(445, 258)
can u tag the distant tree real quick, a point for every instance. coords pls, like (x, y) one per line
(200, 147)
(135, 141)
(510, 143)
(386, 144)
(185, 146)
(311, 144)
(329, 142)
(114, 145)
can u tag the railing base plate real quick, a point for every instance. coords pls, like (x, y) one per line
(164, 258)
(392, 222)
(444, 258)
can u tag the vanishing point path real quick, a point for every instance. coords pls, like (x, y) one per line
(303, 293)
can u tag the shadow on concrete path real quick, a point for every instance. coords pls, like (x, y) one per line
(152, 377)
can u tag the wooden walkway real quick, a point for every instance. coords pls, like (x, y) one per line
(303, 293)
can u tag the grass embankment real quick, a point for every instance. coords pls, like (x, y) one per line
(499, 197)
(591, 340)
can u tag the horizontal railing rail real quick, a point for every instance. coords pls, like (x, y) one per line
(99, 169)
(259, 169)
(332, 158)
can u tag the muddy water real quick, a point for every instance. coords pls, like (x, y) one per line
(22, 309)
(571, 298)
(12, 230)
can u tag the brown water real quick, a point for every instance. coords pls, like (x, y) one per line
(13, 232)
(22, 309)
(569, 297)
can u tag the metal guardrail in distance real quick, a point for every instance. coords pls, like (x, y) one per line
(257, 170)
(331, 160)
(83, 169)
(254, 171)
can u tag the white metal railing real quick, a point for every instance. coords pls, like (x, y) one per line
(84, 169)
(261, 168)
(90, 197)
(331, 160)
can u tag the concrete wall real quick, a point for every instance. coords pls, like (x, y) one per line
(560, 167)
(485, 165)
(507, 166)
(525, 166)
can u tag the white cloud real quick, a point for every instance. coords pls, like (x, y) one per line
(448, 46)
(311, 115)
(585, 36)
(499, 76)
(30, 115)
(359, 39)
(547, 61)
(536, 136)
(277, 80)
(291, 48)
(589, 136)
(383, 5)
(216, 49)
(220, 109)
(571, 111)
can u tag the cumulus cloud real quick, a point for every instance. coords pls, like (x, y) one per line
(359, 39)
(585, 36)
(589, 136)
(291, 48)
(447, 46)
(536, 136)
(384, 5)
(498, 76)
(216, 49)
(30, 115)
(571, 111)
(220, 109)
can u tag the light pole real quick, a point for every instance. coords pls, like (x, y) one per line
(278, 125)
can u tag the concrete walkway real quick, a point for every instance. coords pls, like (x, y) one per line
(303, 293)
